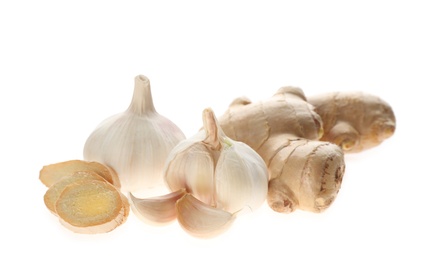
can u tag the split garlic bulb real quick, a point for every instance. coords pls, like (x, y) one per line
(135, 143)
(223, 177)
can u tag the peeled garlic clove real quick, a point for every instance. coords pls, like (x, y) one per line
(241, 178)
(200, 219)
(157, 210)
(135, 143)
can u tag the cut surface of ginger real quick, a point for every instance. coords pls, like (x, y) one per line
(52, 173)
(53, 193)
(92, 206)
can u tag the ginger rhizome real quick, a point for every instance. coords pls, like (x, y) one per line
(355, 121)
(304, 173)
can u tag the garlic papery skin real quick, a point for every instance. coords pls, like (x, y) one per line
(235, 186)
(217, 171)
(136, 142)
(198, 166)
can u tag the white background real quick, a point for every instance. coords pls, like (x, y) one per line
(64, 67)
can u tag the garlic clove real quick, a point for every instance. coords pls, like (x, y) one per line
(135, 143)
(200, 219)
(157, 210)
(193, 169)
(241, 178)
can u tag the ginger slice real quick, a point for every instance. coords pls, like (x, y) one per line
(92, 206)
(52, 173)
(53, 193)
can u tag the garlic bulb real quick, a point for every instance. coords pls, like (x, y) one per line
(225, 175)
(135, 143)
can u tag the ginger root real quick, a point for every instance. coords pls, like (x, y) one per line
(355, 121)
(304, 173)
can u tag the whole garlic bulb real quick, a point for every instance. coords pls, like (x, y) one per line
(135, 143)
(223, 174)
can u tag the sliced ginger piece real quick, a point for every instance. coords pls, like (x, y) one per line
(91, 207)
(52, 173)
(53, 193)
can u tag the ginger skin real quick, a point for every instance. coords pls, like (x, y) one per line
(355, 121)
(304, 173)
